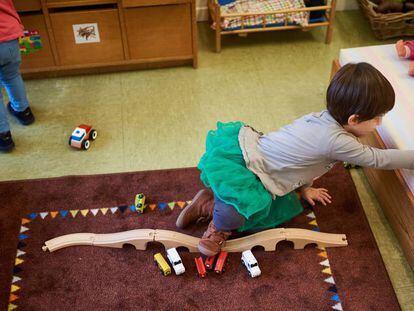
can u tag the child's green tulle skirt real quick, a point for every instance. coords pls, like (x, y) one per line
(224, 170)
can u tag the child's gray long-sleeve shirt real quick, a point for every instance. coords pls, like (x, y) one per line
(309, 147)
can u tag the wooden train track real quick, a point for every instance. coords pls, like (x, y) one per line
(139, 238)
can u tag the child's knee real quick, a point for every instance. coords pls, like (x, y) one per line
(226, 217)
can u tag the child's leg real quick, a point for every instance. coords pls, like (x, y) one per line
(4, 124)
(225, 219)
(225, 216)
(10, 75)
(6, 141)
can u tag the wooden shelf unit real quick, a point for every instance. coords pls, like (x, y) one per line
(128, 35)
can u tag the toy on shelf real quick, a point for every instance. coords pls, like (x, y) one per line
(251, 264)
(175, 261)
(405, 49)
(201, 270)
(221, 261)
(30, 42)
(81, 137)
(140, 203)
(209, 262)
(162, 264)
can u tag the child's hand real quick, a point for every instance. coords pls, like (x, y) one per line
(311, 195)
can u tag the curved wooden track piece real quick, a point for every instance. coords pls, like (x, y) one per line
(268, 239)
(139, 238)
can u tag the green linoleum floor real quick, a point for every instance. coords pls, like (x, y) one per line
(158, 119)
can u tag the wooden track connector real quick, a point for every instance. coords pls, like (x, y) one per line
(268, 239)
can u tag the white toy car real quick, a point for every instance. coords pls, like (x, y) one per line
(251, 264)
(175, 261)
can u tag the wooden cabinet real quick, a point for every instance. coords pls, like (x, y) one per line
(27, 5)
(159, 31)
(87, 36)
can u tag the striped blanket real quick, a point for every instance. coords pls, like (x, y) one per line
(263, 6)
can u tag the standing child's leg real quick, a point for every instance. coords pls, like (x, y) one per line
(13, 83)
(225, 219)
(6, 141)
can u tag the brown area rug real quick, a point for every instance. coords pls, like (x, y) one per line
(93, 278)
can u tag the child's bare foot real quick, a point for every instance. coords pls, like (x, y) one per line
(411, 69)
(400, 47)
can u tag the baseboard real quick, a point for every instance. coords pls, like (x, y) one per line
(341, 5)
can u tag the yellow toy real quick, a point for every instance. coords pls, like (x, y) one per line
(162, 264)
(140, 202)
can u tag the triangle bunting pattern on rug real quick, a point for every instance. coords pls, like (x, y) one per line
(122, 208)
(18, 262)
(181, 204)
(43, 215)
(332, 290)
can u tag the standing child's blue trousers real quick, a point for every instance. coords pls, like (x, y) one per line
(11, 80)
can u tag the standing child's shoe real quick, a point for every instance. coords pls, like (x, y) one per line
(6, 141)
(25, 117)
(213, 240)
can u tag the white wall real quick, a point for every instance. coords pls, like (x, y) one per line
(341, 5)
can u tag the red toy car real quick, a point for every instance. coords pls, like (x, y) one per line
(221, 260)
(201, 270)
(81, 136)
(209, 263)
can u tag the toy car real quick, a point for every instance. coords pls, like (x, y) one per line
(81, 137)
(209, 262)
(162, 264)
(201, 270)
(251, 264)
(140, 202)
(221, 260)
(175, 261)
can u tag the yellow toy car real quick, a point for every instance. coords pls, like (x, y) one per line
(162, 264)
(140, 203)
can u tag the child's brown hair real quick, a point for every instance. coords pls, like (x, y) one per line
(359, 89)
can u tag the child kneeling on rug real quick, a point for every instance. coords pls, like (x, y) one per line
(252, 177)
